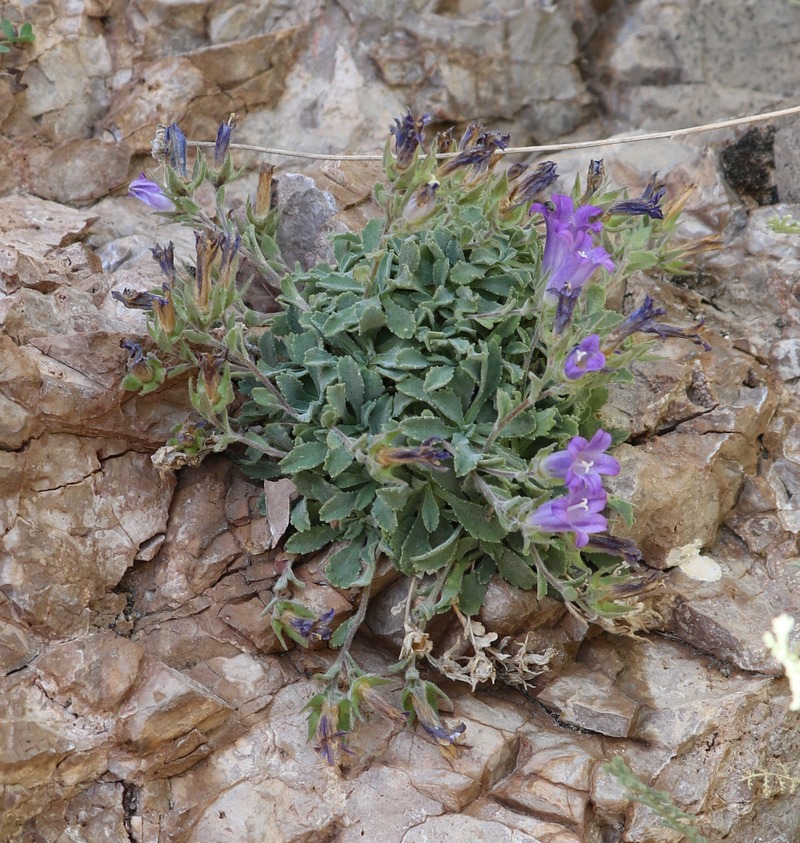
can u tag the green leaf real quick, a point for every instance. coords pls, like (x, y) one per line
(465, 457)
(623, 507)
(372, 317)
(416, 543)
(304, 457)
(350, 376)
(404, 358)
(641, 260)
(388, 502)
(299, 517)
(438, 377)
(491, 369)
(420, 428)
(8, 29)
(437, 557)
(515, 570)
(409, 254)
(371, 235)
(338, 507)
(595, 298)
(464, 274)
(401, 322)
(477, 520)
(344, 567)
(337, 461)
(340, 635)
(430, 509)
(472, 594)
(311, 540)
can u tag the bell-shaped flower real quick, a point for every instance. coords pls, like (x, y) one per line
(582, 463)
(570, 256)
(578, 513)
(150, 193)
(585, 357)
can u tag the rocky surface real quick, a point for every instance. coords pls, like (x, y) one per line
(143, 697)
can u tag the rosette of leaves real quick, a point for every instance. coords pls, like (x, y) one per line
(425, 380)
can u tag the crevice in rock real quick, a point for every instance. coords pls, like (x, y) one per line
(670, 428)
(130, 809)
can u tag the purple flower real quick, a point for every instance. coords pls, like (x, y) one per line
(646, 205)
(642, 320)
(150, 193)
(570, 256)
(223, 142)
(585, 357)
(582, 463)
(175, 146)
(576, 513)
(564, 214)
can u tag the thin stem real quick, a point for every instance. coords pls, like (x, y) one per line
(670, 134)
(355, 623)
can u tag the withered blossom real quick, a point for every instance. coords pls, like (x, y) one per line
(565, 306)
(187, 434)
(208, 248)
(314, 630)
(408, 137)
(615, 547)
(138, 364)
(165, 256)
(133, 299)
(422, 203)
(175, 148)
(595, 175)
(517, 170)
(531, 185)
(164, 311)
(330, 739)
(430, 453)
(444, 736)
(158, 148)
(479, 158)
(229, 250)
(211, 375)
(471, 133)
(379, 703)
(417, 695)
(264, 197)
(444, 142)
(646, 205)
(642, 320)
(223, 141)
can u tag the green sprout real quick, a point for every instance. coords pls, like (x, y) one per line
(12, 37)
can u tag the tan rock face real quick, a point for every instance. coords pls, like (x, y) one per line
(143, 694)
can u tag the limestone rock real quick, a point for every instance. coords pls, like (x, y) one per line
(93, 674)
(165, 706)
